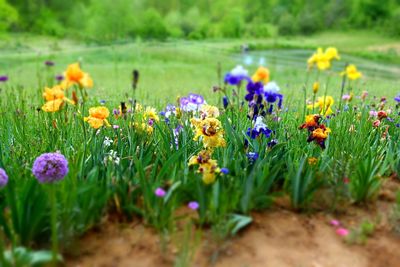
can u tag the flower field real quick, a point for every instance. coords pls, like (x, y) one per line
(200, 168)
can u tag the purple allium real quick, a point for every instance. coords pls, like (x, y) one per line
(59, 78)
(159, 192)
(49, 63)
(397, 98)
(3, 78)
(193, 205)
(50, 167)
(225, 170)
(3, 178)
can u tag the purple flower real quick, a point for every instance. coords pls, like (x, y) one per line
(3, 178)
(254, 89)
(271, 94)
(272, 143)
(193, 205)
(50, 167)
(397, 98)
(225, 102)
(49, 63)
(236, 76)
(116, 112)
(252, 156)
(192, 102)
(159, 192)
(102, 102)
(225, 170)
(259, 128)
(59, 78)
(3, 78)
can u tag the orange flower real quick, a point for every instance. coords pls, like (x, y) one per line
(261, 75)
(98, 117)
(74, 75)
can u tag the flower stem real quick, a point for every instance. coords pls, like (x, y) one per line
(54, 239)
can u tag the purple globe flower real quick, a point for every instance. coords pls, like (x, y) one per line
(159, 192)
(3, 78)
(50, 167)
(3, 178)
(193, 205)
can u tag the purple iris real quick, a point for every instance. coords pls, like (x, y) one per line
(236, 76)
(225, 102)
(192, 102)
(271, 94)
(3, 178)
(259, 128)
(225, 170)
(253, 89)
(397, 98)
(3, 78)
(252, 156)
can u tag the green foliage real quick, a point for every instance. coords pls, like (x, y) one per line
(8, 15)
(107, 20)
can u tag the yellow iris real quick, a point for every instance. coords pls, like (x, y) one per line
(55, 99)
(207, 167)
(351, 72)
(98, 117)
(74, 75)
(211, 131)
(323, 60)
(324, 104)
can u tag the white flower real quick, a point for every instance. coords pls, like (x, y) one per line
(239, 71)
(259, 124)
(271, 87)
(107, 142)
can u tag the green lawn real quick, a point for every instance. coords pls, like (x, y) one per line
(178, 67)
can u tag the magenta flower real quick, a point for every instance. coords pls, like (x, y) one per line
(193, 205)
(3, 178)
(50, 167)
(335, 223)
(160, 192)
(342, 231)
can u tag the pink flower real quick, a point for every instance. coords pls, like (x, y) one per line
(335, 223)
(160, 192)
(373, 113)
(376, 123)
(115, 126)
(193, 205)
(342, 231)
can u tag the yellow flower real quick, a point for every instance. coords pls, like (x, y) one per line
(74, 75)
(324, 104)
(352, 72)
(151, 113)
(312, 161)
(332, 53)
(207, 167)
(211, 131)
(143, 127)
(53, 93)
(320, 133)
(261, 75)
(208, 111)
(53, 105)
(55, 99)
(323, 60)
(98, 117)
(315, 87)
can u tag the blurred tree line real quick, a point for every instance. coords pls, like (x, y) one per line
(106, 20)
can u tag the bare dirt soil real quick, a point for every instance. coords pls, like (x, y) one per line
(277, 238)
